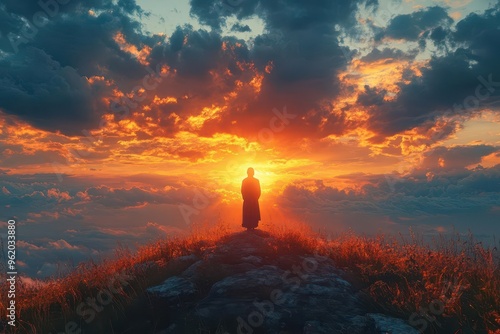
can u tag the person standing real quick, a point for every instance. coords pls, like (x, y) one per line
(250, 190)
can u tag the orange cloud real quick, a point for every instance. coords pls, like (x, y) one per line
(142, 55)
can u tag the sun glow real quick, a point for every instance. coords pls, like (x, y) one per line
(230, 179)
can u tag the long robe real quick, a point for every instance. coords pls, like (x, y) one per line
(250, 190)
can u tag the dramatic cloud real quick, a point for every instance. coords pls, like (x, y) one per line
(296, 63)
(431, 196)
(39, 76)
(456, 158)
(366, 114)
(412, 26)
(461, 82)
(61, 224)
(46, 94)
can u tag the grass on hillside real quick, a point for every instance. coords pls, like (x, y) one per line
(452, 284)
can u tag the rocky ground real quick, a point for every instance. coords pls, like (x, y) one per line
(245, 286)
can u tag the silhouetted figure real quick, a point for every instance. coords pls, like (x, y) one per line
(250, 190)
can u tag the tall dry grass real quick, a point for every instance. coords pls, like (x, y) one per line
(448, 285)
(53, 302)
(451, 283)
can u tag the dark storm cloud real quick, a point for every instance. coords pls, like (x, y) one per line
(130, 6)
(237, 27)
(371, 96)
(387, 54)
(480, 37)
(86, 43)
(46, 94)
(411, 26)
(455, 158)
(29, 8)
(308, 52)
(205, 73)
(283, 14)
(445, 82)
(302, 40)
(302, 45)
(476, 25)
(298, 55)
(200, 55)
(460, 82)
(8, 23)
(44, 69)
(439, 34)
(194, 53)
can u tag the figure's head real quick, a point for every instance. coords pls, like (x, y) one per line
(250, 171)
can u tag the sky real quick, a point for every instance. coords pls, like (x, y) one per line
(126, 121)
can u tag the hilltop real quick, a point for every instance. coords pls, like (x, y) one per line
(247, 285)
(283, 281)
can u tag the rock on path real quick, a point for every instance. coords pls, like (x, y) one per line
(244, 286)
